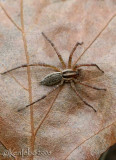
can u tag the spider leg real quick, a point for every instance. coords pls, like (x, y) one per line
(93, 87)
(71, 54)
(37, 64)
(88, 65)
(58, 54)
(96, 37)
(74, 88)
(44, 96)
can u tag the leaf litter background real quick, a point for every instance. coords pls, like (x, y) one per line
(71, 130)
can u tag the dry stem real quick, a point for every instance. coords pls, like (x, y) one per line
(113, 123)
(29, 80)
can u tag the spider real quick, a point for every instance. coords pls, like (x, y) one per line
(69, 74)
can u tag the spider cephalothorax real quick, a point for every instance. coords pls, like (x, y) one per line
(59, 77)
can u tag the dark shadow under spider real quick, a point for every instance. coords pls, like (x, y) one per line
(68, 74)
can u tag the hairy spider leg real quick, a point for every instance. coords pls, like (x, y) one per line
(108, 22)
(74, 88)
(88, 65)
(58, 54)
(71, 54)
(93, 87)
(38, 64)
(44, 96)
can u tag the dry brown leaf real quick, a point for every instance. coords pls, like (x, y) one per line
(66, 128)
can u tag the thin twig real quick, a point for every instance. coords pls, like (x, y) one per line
(29, 80)
(94, 39)
(6, 149)
(10, 17)
(16, 79)
(88, 139)
(60, 88)
(18, 29)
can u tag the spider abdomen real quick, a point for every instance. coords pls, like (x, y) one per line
(52, 79)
